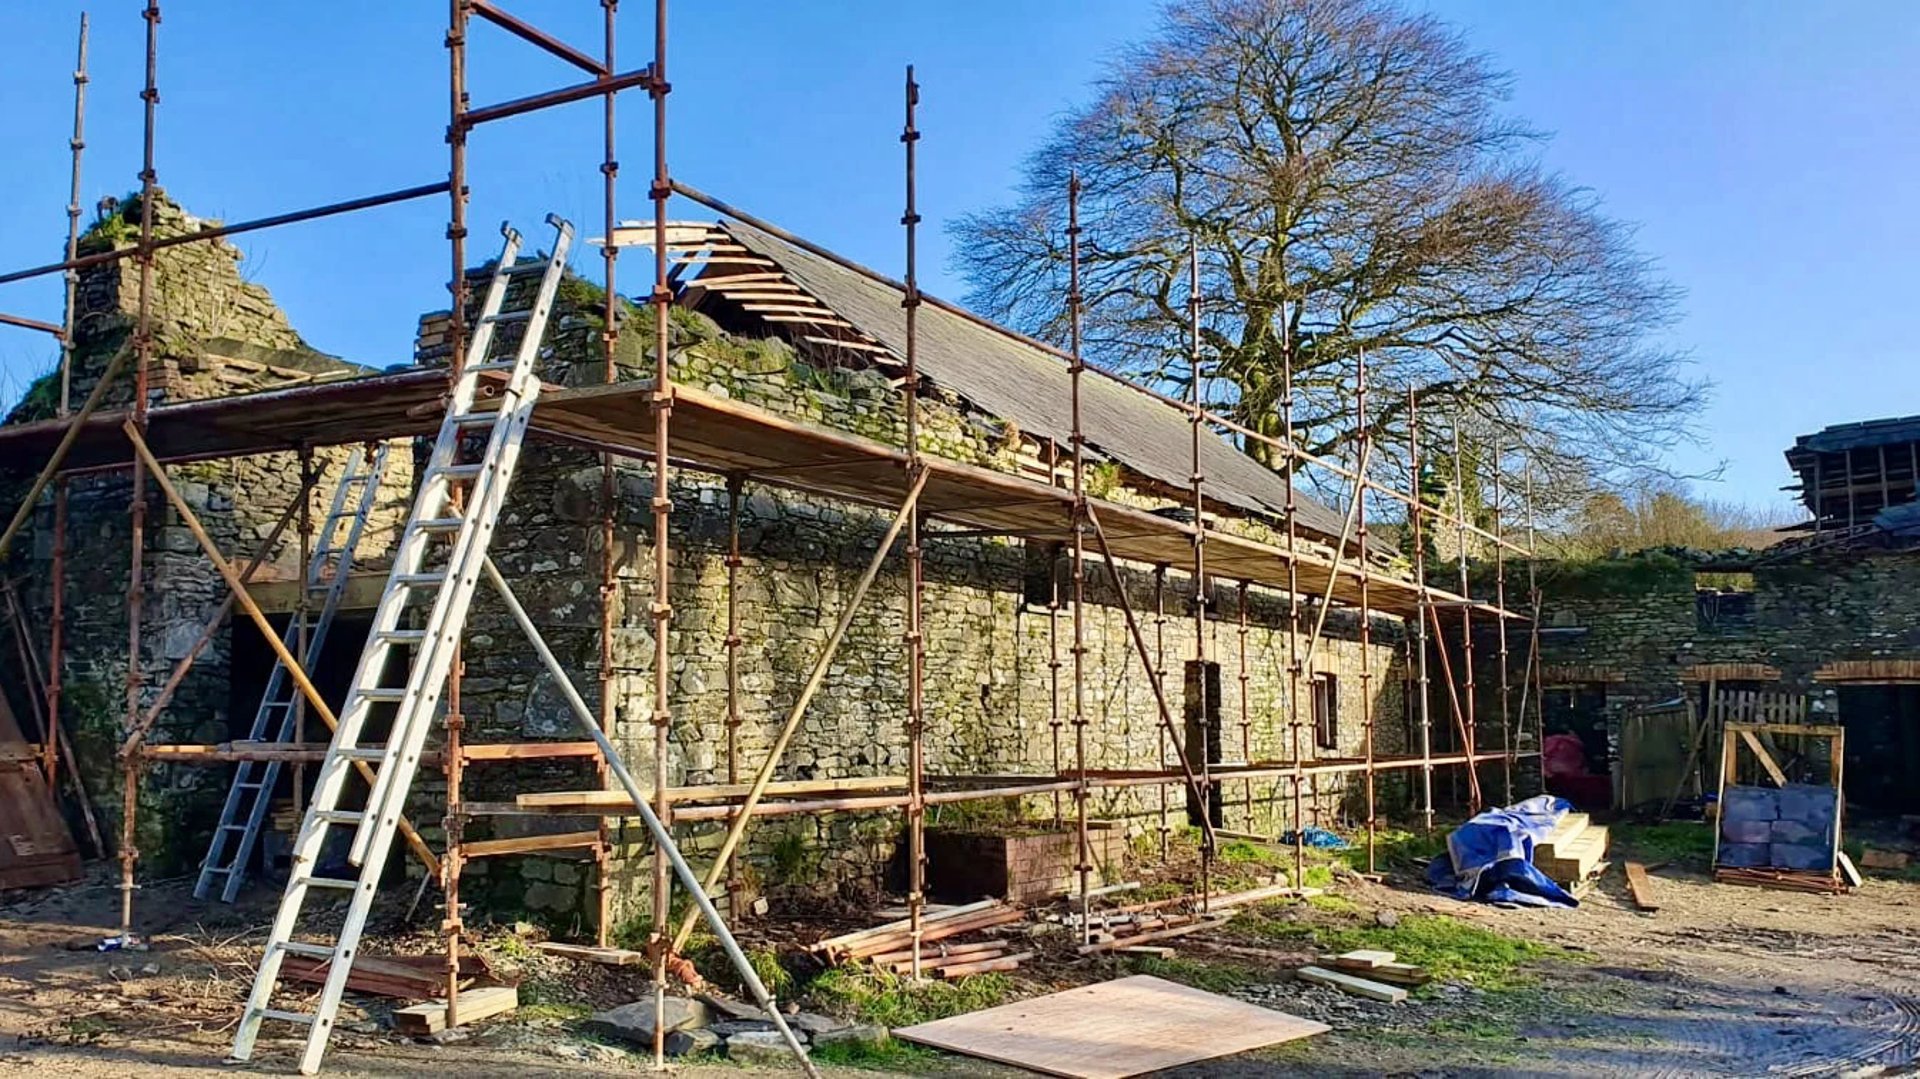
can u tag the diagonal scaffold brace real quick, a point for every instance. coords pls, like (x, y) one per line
(661, 836)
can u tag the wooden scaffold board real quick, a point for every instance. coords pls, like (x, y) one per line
(1128, 1026)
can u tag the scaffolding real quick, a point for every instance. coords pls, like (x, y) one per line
(681, 429)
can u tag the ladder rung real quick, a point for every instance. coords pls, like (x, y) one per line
(301, 1018)
(249, 786)
(405, 636)
(473, 419)
(233, 827)
(311, 951)
(339, 816)
(216, 869)
(363, 753)
(384, 693)
(330, 882)
(461, 472)
(416, 580)
(441, 524)
(525, 267)
(506, 316)
(492, 365)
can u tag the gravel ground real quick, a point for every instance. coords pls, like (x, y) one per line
(1721, 981)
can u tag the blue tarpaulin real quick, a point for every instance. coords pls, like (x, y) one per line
(1490, 858)
(1315, 837)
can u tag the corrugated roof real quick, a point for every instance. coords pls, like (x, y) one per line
(1007, 377)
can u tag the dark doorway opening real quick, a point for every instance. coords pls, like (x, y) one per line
(1883, 747)
(252, 664)
(1202, 741)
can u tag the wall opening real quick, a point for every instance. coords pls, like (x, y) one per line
(1723, 602)
(1883, 747)
(1202, 739)
(1326, 711)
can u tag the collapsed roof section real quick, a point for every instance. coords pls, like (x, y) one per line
(832, 304)
(1850, 472)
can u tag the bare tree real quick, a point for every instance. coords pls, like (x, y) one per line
(1353, 188)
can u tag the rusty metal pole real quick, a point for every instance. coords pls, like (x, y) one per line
(662, 300)
(301, 609)
(1293, 608)
(736, 484)
(143, 359)
(56, 630)
(1084, 863)
(610, 340)
(1536, 660)
(1469, 726)
(916, 655)
(1364, 454)
(458, 15)
(1208, 709)
(1246, 709)
(1054, 722)
(1159, 675)
(1415, 506)
(1500, 601)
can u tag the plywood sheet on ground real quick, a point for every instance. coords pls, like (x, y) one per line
(1128, 1026)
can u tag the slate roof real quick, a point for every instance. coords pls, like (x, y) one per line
(1012, 379)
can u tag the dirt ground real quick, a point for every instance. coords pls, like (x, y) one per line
(1721, 980)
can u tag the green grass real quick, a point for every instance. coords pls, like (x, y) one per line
(556, 1011)
(1333, 904)
(1241, 852)
(1215, 977)
(889, 1001)
(889, 1055)
(1668, 841)
(1449, 949)
(1394, 847)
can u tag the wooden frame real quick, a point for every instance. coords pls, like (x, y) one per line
(1757, 738)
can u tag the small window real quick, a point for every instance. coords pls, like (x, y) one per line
(1723, 601)
(1326, 711)
(1039, 578)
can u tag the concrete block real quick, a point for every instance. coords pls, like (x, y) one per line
(1797, 856)
(1750, 803)
(1811, 805)
(1793, 831)
(1746, 831)
(1744, 855)
(762, 1048)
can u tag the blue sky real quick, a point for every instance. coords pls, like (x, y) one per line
(1764, 150)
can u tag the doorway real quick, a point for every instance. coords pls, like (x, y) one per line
(1883, 747)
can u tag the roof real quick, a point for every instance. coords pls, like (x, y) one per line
(1852, 436)
(1005, 375)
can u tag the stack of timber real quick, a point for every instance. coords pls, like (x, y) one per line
(1792, 880)
(402, 977)
(1136, 924)
(890, 946)
(1372, 975)
(1574, 852)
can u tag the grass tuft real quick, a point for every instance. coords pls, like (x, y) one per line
(1450, 949)
(890, 1055)
(875, 996)
(1215, 977)
(1668, 841)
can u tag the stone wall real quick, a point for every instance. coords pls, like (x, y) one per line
(988, 689)
(215, 334)
(1632, 626)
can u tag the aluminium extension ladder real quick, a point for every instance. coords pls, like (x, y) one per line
(326, 576)
(436, 566)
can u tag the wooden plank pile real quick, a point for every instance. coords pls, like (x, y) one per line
(891, 946)
(402, 977)
(1371, 975)
(1792, 880)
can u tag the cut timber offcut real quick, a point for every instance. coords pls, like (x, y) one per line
(1640, 887)
(475, 1005)
(1353, 986)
